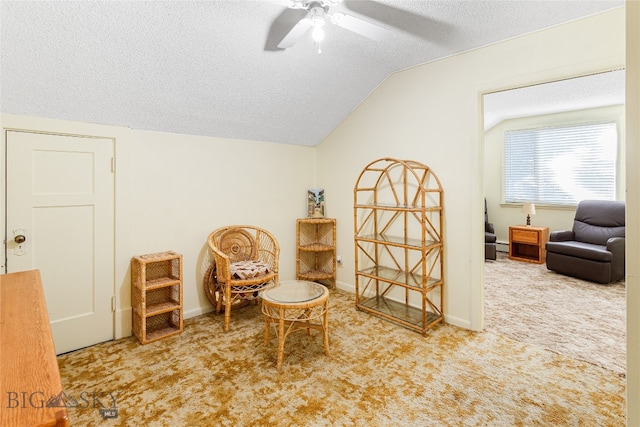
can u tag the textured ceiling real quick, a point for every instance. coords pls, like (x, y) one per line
(597, 90)
(213, 68)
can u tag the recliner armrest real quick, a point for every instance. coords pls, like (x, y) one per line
(488, 228)
(561, 236)
(615, 245)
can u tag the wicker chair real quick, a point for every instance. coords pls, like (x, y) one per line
(245, 261)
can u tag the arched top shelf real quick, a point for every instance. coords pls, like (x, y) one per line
(398, 183)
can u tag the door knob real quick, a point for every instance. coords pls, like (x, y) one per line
(19, 239)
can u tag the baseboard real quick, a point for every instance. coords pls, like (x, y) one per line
(124, 323)
(348, 287)
(502, 247)
(456, 321)
(124, 320)
(194, 312)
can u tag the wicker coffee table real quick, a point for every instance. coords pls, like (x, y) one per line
(293, 305)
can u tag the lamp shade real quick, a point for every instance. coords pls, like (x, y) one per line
(529, 209)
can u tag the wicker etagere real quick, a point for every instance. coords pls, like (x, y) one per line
(156, 296)
(316, 250)
(398, 223)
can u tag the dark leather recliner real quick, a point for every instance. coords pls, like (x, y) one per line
(489, 236)
(594, 249)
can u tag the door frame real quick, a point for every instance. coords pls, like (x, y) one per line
(72, 325)
(122, 141)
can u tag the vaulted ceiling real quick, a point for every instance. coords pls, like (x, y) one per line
(213, 68)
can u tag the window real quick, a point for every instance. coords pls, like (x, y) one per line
(561, 165)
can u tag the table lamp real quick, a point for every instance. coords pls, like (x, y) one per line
(529, 209)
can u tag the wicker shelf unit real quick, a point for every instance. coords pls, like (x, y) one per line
(316, 250)
(398, 224)
(156, 296)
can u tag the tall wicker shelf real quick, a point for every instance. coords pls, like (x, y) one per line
(156, 294)
(316, 250)
(398, 224)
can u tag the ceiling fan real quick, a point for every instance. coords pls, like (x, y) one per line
(317, 16)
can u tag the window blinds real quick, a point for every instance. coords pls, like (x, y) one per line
(561, 165)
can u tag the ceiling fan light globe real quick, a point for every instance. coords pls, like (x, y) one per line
(317, 34)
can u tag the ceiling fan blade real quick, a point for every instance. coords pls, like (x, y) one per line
(360, 26)
(291, 4)
(295, 34)
(392, 15)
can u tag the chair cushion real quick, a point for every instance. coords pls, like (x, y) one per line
(598, 220)
(248, 269)
(581, 250)
(597, 235)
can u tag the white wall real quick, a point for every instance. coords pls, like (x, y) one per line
(184, 187)
(172, 190)
(432, 114)
(502, 215)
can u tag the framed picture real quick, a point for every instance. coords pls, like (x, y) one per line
(315, 203)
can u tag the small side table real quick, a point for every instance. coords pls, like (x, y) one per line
(527, 243)
(296, 304)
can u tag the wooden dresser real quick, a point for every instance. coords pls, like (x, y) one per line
(28, 366)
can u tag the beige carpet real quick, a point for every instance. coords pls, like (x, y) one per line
(573, 317)
(379, 374)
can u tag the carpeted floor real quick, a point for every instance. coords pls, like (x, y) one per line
(569, 316)
(379, 374)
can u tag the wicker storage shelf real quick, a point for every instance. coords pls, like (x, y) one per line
(161, 282)
(156, 295)
(315, 275)
(162, 307)
(316, 250)
(163, 325)
(399, 245)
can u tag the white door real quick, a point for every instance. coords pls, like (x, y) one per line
(60, 220)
